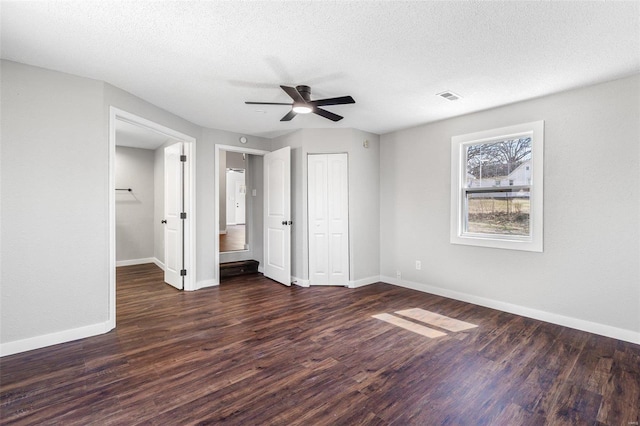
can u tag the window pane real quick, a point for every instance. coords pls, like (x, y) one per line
(498, 213)
(502, 163)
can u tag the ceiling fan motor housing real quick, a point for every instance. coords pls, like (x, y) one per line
(305, 92)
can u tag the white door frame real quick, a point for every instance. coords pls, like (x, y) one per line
(190, 235)
(218, 148)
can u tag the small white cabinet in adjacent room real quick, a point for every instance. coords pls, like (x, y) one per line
(328, 218)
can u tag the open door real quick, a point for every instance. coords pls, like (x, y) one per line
(277, 212)
(173, 221)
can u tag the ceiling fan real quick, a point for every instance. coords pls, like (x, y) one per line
(302, 103)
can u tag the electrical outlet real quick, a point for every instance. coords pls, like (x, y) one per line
(418, 265)
(398, 275)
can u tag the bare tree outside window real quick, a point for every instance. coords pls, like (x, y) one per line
(503, 165)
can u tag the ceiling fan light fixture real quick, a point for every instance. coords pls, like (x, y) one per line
(301, 108)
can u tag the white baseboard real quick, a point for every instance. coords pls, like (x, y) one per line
(45, 340)
(158, 263)
(140, 262)
(363, 281)
(223, 232)
(136, 261)
(299, 282)
(576, 323)
(206, 283)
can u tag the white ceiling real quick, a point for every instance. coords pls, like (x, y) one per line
(202, 60)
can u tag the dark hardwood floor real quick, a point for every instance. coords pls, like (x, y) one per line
(253, 352)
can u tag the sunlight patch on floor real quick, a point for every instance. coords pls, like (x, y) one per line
(408, 325)
(427, 317)
(436, 320)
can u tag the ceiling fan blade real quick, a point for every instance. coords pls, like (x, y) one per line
(326, 114)
(289, 116)
(293, 93)
(333, 101)
(266, 103)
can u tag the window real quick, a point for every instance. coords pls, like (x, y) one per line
(497, 187)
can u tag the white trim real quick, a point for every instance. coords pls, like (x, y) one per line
(190, 238)
(206, 283)
(299, 282)
(158, 263)
(222, 233)
(458, 176)
(363, 281)
(216, 190)
(565, 321)
(37, 342)
(131, 262)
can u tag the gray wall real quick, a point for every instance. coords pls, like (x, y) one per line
(589, 269)
(364, 185)
(135, 209)
(54, 173)
(55, 202)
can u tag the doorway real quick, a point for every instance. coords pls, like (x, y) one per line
(236, 206)
(120, 117)
(245, 170)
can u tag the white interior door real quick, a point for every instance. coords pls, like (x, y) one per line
(328, 201)
(173, 207)
(241, 210)
(277, 212)
(231, 197)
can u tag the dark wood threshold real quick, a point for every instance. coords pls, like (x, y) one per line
(242, 267)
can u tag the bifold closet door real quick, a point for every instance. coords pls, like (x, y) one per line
(328, 214)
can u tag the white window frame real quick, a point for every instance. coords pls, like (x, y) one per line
(533, 242)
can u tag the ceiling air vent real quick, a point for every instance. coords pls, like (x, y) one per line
(448, 95)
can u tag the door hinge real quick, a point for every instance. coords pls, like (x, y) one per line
(183, 272)
(183, 158)
(183, 215)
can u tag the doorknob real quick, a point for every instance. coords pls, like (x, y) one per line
(163, 221)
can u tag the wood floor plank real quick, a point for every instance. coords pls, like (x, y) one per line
(254, 352)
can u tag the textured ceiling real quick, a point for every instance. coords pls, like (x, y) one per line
(202, 60)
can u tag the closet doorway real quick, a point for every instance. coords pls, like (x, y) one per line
(138, 191)
(238, 205)
(328, 218)
(233, 202)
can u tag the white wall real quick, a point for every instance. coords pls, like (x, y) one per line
(364, 184)
(55, 238)
(135, 209)
(589, 273)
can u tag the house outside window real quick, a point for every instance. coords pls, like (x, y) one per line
(497, 188)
